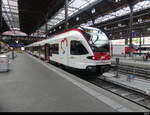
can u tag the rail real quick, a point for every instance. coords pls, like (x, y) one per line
(124, 92)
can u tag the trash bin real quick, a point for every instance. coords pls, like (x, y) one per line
(4, 63)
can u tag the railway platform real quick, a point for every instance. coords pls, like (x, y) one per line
(137, 84)
(29, 86)
(132, 61)
(35, 86)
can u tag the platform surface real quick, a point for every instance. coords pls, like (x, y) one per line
(29, 86)
(36, 86)
(136, 83)
(132, 61)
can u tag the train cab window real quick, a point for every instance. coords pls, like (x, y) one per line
(77, 48)
(54, 48)
(87, 35)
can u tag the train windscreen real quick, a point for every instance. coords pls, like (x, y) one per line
(97, 39)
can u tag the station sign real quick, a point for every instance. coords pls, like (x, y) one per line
(146, 40)
(16, 45)
(134, 34)
(118, 42)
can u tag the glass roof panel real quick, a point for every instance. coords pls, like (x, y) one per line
(139, 6)
(77, 5)
(10, 13)
(74, 6)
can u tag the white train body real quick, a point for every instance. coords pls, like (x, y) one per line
(73, 49)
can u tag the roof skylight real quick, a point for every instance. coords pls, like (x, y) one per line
(10, 13)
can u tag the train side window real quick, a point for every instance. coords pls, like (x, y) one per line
(54, 48)
(50, 50)
(77, 48)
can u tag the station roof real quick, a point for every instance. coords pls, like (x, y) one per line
(31, 15)
(117, 26)
(10, 13)
(115, 23)
(28, 15)
(4, 26)
(91, 11)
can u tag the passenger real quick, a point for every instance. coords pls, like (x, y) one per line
(130, 77)
(147, 56)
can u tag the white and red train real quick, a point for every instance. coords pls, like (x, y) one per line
(84, 48)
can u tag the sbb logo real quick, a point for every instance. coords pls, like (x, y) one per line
(1, 62)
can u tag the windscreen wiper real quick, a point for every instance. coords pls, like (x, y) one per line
(97, 37)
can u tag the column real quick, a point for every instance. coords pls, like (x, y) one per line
(66, 14)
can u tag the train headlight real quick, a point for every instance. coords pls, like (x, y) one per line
(103, 57)
(91, 57)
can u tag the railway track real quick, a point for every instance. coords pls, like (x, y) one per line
(122, 91)
(131, 95)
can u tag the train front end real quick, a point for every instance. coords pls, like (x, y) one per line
(99, 44)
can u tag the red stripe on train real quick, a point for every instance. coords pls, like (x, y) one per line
(102, 56)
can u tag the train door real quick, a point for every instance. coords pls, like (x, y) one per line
(47, 52)
(78, 54)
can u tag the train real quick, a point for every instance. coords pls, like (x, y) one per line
(122, 50)
(144, 49)
(82, 48)
(140, 53)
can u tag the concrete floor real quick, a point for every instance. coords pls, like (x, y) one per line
(31, 87)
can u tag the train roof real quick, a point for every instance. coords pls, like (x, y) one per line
(41, 43)
(87, 27)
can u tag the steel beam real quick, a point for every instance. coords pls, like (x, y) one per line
(0, 21)
(130, 24)
(46, 24)
(0, 15)
(66, 14)
(140, 42)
